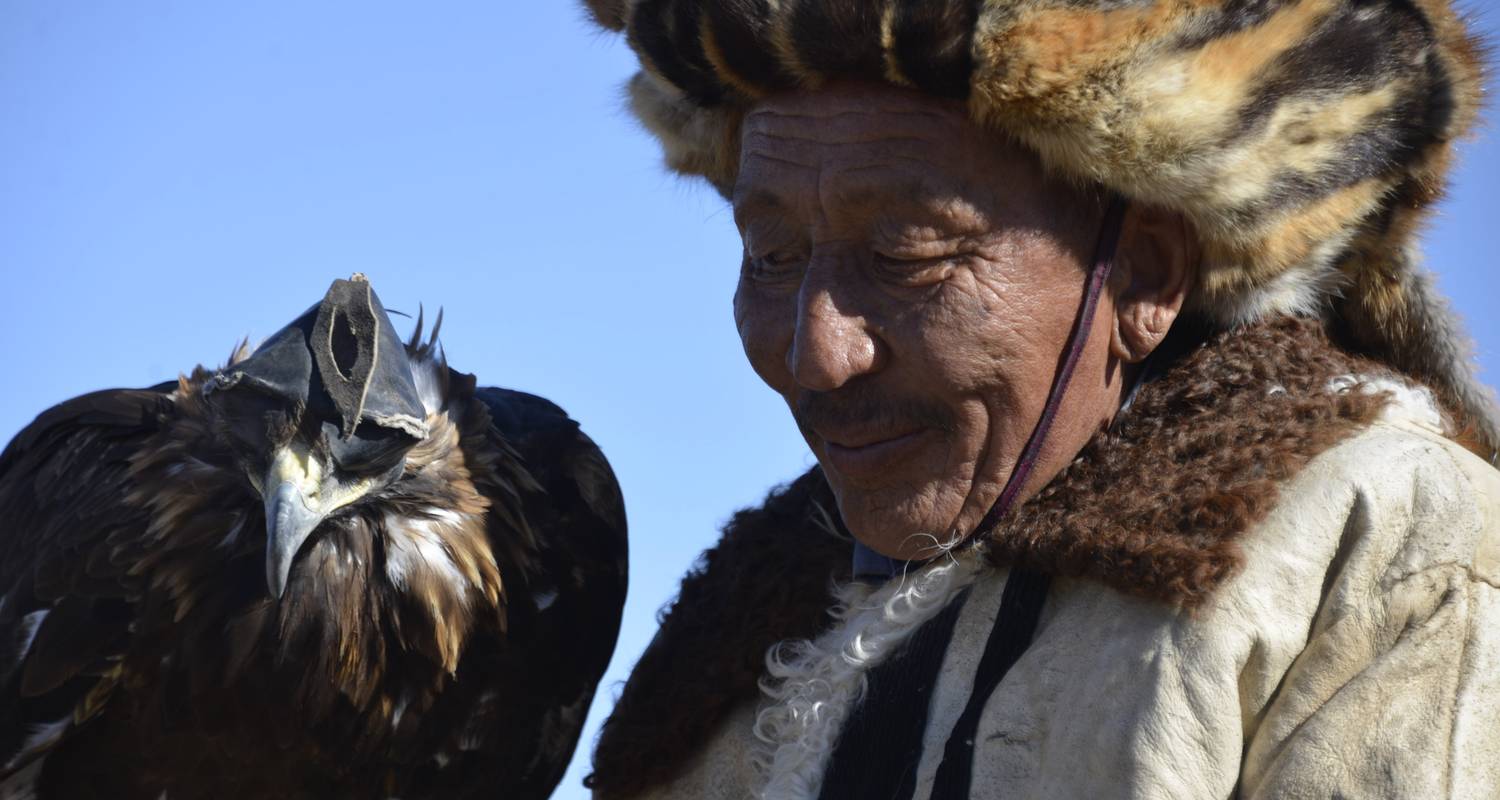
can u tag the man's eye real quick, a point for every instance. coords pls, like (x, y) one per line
(775, 265)
(780, 259)
(911, 270)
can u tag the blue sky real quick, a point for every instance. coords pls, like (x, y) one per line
(177, 177)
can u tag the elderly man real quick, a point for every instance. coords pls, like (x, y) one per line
(1147, 455)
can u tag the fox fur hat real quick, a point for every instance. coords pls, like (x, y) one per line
(1305, 139)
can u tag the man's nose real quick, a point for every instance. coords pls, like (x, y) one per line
(833, 343)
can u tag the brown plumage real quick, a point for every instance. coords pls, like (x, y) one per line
(439, 635)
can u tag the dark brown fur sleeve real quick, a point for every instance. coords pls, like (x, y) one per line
(768, 579)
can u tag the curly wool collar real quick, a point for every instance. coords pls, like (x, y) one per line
(1153, 507)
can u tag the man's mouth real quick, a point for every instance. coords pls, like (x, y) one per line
(869, 454)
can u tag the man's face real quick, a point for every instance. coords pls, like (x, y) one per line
(908, 287)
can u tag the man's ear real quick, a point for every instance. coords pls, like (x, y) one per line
(1155, 267)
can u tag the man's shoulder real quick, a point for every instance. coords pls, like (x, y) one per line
(1401, 496)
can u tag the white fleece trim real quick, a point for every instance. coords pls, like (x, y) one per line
(1410, 403)
(813, 686)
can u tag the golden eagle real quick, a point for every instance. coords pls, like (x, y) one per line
(333, 568)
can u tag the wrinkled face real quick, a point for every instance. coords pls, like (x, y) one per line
(908, 287)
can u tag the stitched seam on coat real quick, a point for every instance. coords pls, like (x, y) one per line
(1459, 566)
(1463, 652)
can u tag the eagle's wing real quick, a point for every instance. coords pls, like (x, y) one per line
(562, 618)
(64, 603)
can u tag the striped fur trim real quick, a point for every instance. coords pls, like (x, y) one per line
(1306, 139)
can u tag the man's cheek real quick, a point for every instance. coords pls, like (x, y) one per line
(741, 300)
(765, 336)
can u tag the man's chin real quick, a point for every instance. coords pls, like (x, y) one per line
(900, 525)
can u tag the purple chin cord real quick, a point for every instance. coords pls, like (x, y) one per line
(1104, 263)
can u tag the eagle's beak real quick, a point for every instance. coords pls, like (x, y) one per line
(293, 494)
(299, 492)
(290, 519)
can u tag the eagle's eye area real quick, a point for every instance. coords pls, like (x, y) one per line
(253, 422)
(372, 450)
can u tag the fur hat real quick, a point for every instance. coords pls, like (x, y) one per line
(1306, 139)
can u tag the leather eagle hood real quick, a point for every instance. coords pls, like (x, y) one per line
(342, 357)
(1305, 139)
